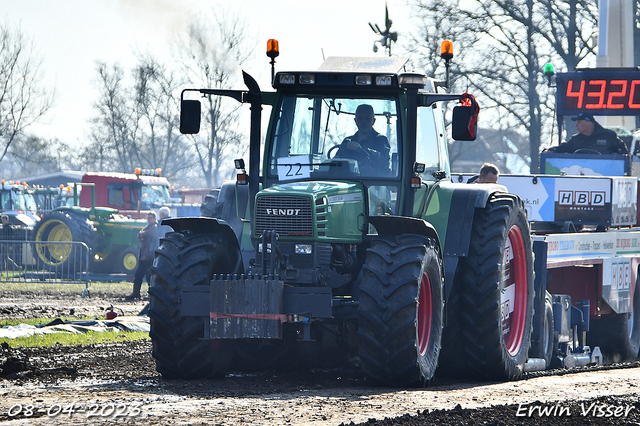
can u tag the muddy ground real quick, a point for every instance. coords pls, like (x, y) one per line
(118, 384)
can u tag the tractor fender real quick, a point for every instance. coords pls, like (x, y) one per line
(398, 225)
(465, 200)
(205, 225)
(73, 210)
(230, 203)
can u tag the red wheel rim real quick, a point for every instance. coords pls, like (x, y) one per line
(514, 291)
(424, 314)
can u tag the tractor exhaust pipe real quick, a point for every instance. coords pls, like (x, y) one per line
(254, 96)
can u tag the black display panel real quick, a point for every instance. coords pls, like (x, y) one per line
(598, 92)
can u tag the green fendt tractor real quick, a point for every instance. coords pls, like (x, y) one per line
(324, 253)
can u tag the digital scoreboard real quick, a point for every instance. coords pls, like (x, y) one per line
(599, 92)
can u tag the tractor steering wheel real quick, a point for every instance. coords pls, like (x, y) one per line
(360, 155)
(333, 148)
(586, 151)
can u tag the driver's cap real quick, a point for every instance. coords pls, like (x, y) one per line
(584, 116)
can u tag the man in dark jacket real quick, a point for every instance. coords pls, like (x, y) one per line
(148, 241)
(369, 147)
(488, 174)
(592, 136)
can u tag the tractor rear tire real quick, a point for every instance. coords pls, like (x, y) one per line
(401, 310)
(186, 259)
(497, 291)
(60, 226)
(618, 335)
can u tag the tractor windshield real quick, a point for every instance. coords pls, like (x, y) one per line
(335, 138)
(154, 196)
(30, 203)
(12, 199)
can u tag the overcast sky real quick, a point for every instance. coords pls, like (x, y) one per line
(72, 35)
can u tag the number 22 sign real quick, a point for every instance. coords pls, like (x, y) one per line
(290, 168)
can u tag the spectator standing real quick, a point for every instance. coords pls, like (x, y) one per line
(148, 244)
(488, 174)
(7, 248)
(163, 213)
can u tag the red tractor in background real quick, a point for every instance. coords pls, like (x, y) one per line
(131, 194)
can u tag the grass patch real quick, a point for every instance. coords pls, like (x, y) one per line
(38, 321)
(68, 339)
(98, 288)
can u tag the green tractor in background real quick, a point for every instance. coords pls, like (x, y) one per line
(315, 256)
(110, 238)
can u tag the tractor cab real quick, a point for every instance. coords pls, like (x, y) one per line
(17, 204)
(316, 133)
(313, 122)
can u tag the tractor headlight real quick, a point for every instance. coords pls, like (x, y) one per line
(363, 80)
(383, 80)
(303, 249)
(307, 79)
(287, 79)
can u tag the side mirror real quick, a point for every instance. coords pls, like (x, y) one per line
(190, 111)
(464, 126)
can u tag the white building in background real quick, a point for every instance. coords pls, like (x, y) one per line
(615, 46)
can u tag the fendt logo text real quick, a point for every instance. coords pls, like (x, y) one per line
(581, 198)
(283, 212)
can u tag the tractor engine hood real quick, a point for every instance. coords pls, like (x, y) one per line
(20, 219)
(312, 211)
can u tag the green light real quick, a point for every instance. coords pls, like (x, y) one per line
(549, 70)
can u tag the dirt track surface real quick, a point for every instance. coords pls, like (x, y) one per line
(118, 384)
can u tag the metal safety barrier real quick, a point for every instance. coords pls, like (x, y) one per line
(23, 261)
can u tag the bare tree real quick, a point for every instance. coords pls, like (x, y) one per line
(23, 101)
(113, 128)
(213, 54)
(568, 27)
(432, 30)
(512, 40)
(158, 142)
(510, 76)
(31, 155)
(137, 122)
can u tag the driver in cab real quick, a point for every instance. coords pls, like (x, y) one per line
(369, 147)
(593, 137)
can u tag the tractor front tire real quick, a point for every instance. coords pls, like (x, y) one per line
(401, 310)
(497, 291)
(186, 259)
(56, 228)
(128, 261)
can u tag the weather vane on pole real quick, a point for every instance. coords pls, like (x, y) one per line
(388, 37)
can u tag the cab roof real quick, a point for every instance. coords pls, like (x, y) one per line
(392, 64)
(125, 177)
